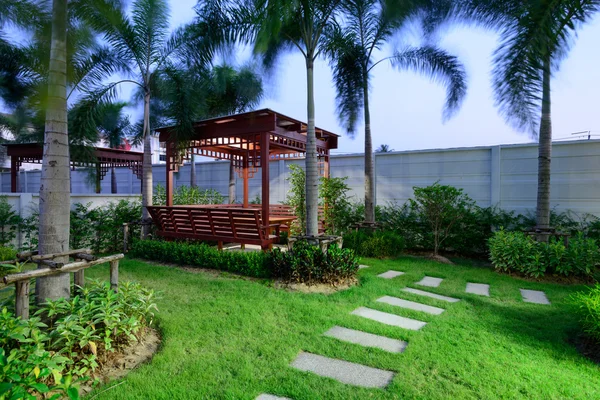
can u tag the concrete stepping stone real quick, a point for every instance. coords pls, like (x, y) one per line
(389, 319)
(481, 289)
(429, 294)
(390, 274)
(430, 281)
(534, 296)
(362, 266)
(366, 339)
(343, 371)
(265, 396)
(411, 305)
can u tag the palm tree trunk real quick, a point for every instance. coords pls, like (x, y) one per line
(193, 171)
(312, 172)
(231, 183)
(369, 170)
(113, 180)
(147, 167)
(545, 154)
(55, 180)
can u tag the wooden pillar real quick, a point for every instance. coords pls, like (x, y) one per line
(98, 172)
(79, 277)
(114, 275)
(264, 163)
(169, 177)
(245, 176)
(22, 299)
(326, 170)
(14, 170)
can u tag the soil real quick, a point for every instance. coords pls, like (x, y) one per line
(120, 364)
(322, 288)
(440, 259)
(588, 347)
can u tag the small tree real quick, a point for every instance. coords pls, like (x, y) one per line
(442, 208)
(9, 221)
(334, 198)
(296, 198)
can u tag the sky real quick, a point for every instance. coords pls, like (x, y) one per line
(406, 108)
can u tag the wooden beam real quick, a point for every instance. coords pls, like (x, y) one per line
(22, 299)
(114, 275)
(243, 126)
(245, 177)
(169, 175)
(264, 157)
(14, 170)
(34, 257)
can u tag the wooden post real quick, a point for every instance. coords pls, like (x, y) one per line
(22, 299)
(125, 237)
(326, 169)
(79, 277)
(245, 176)
(264, 163)
(98, 173)
(169, 176)
(114, 275)
(14, 170)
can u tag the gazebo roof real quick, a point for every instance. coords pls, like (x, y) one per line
(231, 135)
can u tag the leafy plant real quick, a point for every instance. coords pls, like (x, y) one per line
(308, 264)
(7, 253)
(334, 199)
(186, 195)
(9, 222)
(588, 308)
(378, 244)
(296, 198)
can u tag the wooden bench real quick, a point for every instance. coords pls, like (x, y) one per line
(220, 224)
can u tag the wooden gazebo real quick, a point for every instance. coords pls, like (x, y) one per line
(247, 140)
(103, 160)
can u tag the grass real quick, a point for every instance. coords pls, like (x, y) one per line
(231, 338)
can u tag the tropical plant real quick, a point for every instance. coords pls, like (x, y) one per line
(273, 27)
(9, 222)
(535, 37)
(366, 26)
(383, 148)
(142, 40)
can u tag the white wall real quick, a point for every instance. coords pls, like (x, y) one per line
(505, 176)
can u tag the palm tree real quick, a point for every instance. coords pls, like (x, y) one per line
(535, 37)
(384, 148)
(367, 25)
(54, 228)
(141, 38)
(273, 27)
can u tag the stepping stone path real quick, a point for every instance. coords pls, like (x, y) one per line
(534, 296)
(411, 305)
(366, 339)
(432, 295)
(363, 266)
(271, 397)
(389, 319)
(430, 282)
(343, 371)
(478, 288)
(390, 274)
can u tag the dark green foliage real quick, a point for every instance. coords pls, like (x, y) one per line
(7, 253)
(75, 338)
(588, 308)
(308, 264)
(378, 244)
(9, 221)
(29, 231)
(255, 264)
(334, 198)
(516, 251)
(186, 195)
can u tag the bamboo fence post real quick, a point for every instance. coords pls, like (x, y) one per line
(125, 237)
(114, 275)
(22, 299)
(80, 278)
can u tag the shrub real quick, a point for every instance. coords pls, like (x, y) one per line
(588, 308)
(296, 198)
(308, 264)
(186, 195)
(254, 264)
(379, 244)
(9, 222)
(7, 253)
(38, 358)
(516, 251)
(334, 199)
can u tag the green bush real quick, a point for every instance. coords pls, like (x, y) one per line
(187, 195)
(254, 264)
(9, 222)
(308, 264)
(588, 308)
(74, 339)
(7, 253)
(516, 251)
(378, 244)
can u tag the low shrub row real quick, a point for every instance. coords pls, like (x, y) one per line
(516, 251)
(254, 264)
(378, 244)
(309, 264)
(67, 340)
(588, 308)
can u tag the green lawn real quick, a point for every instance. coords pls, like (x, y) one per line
(231, 338)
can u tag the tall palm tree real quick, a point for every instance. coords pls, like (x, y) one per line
(55, 180)
(366, 26)
(142, 39)
(273, 27)
(535, 37)
(383, 148)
